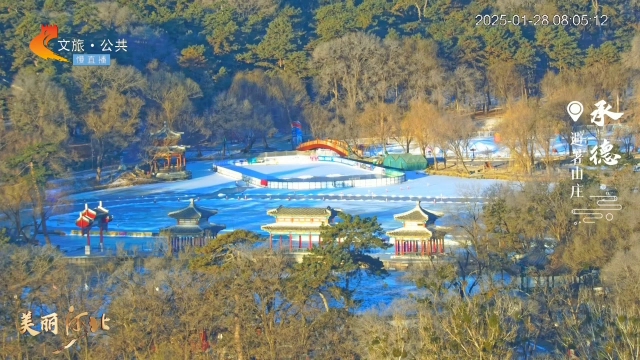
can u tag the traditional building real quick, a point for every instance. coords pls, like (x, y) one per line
(193, 227)
(414, 237)
(165, 148)
(301, 224)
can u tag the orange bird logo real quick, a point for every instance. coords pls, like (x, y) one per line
(39, 44)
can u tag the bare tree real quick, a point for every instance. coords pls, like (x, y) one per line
(379, 120)
(318, 119)
(39, 111)
(505, 81)
(420, 122)
(345, 69)
(464, 86)
(113, 126)
(518, 128)
(173, 93)
(456, 132)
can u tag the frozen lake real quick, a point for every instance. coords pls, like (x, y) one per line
(145, 208)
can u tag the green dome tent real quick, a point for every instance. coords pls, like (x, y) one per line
(405, 162)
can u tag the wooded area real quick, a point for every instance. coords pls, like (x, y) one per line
(375, 69)
(257, 304)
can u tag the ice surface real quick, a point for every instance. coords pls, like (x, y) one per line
(145, 208)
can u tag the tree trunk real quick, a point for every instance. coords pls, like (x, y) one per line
(43, 223)
(100, 158)
(488, 102)
(247, 148)
(435, 159)
(266, 145)
(40, 206)
(18, 222)
(419, 12)
(237, 340)
(464, 166)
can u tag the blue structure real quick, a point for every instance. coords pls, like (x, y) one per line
(296, 134)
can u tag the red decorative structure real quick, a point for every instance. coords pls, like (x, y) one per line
(89, 218)
(338, 146)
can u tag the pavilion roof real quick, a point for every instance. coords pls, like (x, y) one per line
(289, 228)
(166, 133)
(179, 149)
(310, 212)
(193, 230)
(418, 214)
(101, 210)
(193, 211)
(413, 233)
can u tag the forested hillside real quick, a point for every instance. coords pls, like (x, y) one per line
(239, 70)
(322, 60)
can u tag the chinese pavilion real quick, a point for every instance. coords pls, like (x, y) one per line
(414, 237)
(299, 222)
(193, 227)
(165, 149)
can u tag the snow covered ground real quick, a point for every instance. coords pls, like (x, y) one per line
(488, 148)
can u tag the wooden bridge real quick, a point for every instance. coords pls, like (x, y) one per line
(339, 146)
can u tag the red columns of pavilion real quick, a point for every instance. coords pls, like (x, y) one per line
(428, 247)
(270, 241)
(290, 242)
(310, 242)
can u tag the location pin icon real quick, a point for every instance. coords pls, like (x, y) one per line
(575, 109)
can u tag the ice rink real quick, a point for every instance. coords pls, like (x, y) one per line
(299, 171)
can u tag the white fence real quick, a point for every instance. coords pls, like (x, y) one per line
(390, 177)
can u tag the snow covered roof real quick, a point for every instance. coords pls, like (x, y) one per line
(327, 212)
(179, 149)
(193, 230)
(193, 212)
(418, 214)
(289, 228)
(413, 233)
(100, 209)
(166, 133)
